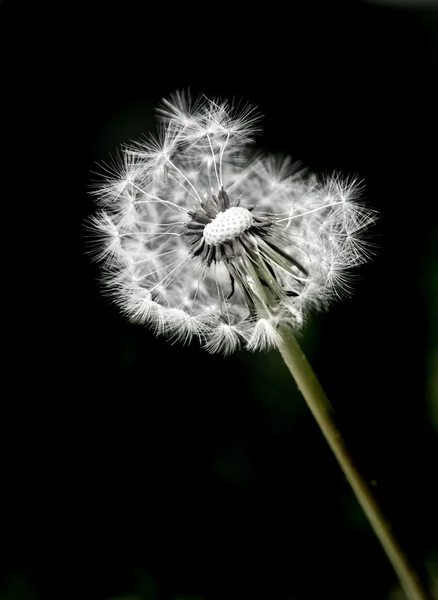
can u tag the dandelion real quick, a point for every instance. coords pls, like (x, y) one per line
(198, 236)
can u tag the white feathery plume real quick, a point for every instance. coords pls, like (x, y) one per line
(199, 237)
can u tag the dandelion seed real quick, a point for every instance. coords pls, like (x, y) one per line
(200, 239)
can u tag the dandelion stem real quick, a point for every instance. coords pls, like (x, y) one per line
(321, 409)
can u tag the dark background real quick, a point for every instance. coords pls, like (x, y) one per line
(139, 470)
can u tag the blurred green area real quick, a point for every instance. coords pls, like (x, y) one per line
(18, 586)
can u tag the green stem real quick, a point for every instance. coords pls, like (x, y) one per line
(322, 411)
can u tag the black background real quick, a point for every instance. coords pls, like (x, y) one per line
(138, 469)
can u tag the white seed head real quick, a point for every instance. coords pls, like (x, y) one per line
(227, 225)
(198, 239)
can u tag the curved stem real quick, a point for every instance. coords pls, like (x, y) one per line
(322, 411)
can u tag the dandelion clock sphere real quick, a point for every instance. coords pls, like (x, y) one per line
(200, 237)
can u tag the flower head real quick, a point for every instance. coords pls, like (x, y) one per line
(199, 237)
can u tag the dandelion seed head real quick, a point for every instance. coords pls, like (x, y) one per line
(199, 238)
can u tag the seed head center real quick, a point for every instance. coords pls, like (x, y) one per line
(228, 225)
